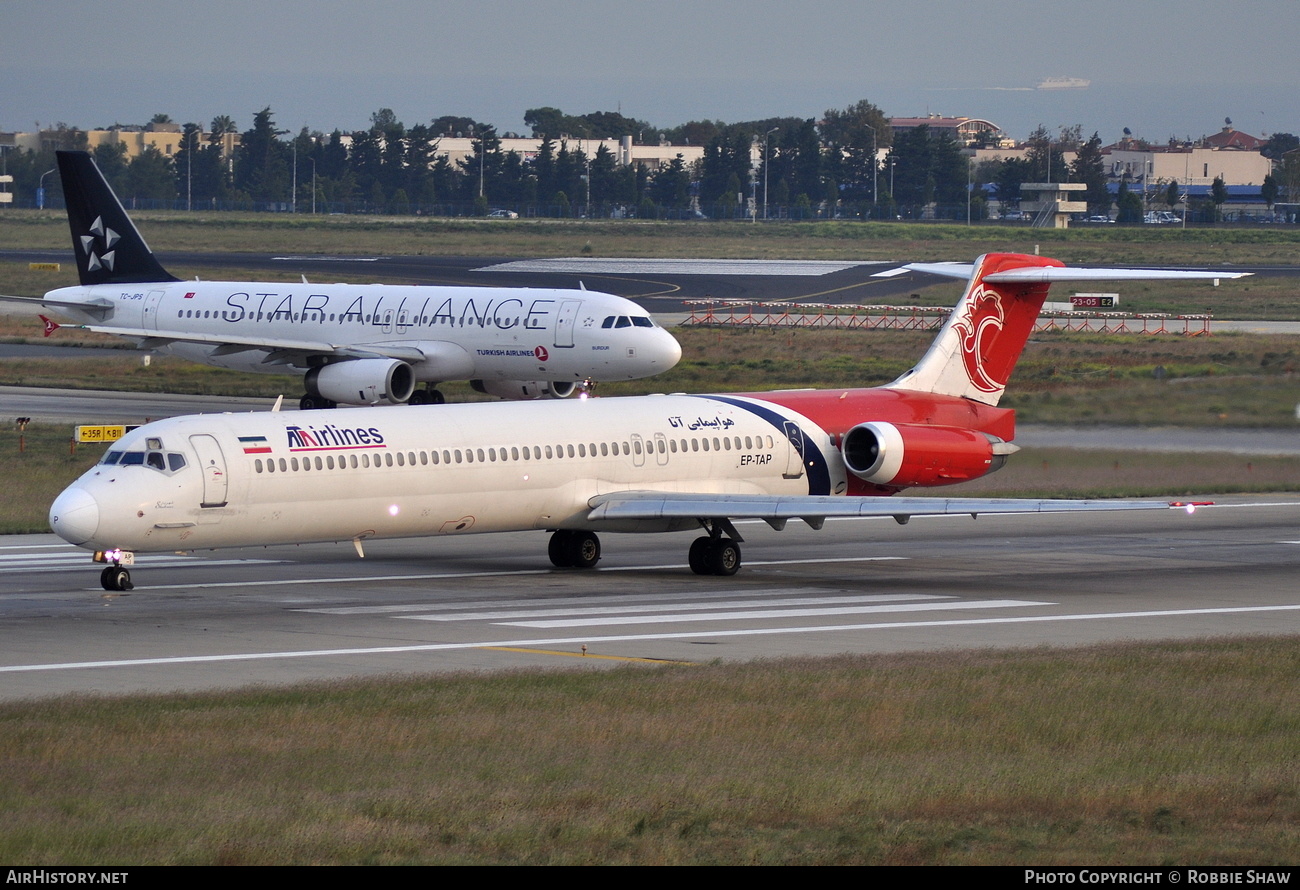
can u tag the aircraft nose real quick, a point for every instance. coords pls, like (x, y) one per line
(670, 351)
(74, 515)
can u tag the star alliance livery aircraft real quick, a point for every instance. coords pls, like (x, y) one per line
(354, 344)
(643, 464)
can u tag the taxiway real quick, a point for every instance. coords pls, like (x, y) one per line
(287, 614)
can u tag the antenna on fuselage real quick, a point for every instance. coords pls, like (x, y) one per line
(279, 400)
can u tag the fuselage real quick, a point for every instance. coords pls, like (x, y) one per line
(463, 332)
(230, 480)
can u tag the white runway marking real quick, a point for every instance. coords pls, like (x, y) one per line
(578, 641)
(708, 599)
(443, 576)
(38, 562)
(680, 618)
(660, 607)
(613, 266)
(329, 259)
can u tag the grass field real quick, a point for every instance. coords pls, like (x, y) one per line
(1121, 754)
(1225, 380)
(391, 235)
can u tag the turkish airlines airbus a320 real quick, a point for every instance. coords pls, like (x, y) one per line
(643, 464)
(353, 344)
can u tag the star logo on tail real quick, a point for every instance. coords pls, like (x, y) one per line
(100, 233)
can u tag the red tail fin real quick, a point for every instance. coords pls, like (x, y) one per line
(50, 326)
(978, 347)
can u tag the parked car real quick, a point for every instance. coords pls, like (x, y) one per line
(503, 214)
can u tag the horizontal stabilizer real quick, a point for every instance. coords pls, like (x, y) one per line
(1054, 274)
(98, 306)
(1049, 275)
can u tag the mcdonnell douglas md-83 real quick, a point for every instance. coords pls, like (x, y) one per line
(642, 464)
(354, 344)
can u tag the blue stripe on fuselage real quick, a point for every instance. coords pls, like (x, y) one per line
(815, 465)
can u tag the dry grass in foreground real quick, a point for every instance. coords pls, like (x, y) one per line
(1171, 753)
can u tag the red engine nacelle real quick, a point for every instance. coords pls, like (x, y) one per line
(902, 455)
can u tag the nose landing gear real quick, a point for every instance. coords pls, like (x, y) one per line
(115, 578)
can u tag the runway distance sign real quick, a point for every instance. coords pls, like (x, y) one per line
(1094, 301)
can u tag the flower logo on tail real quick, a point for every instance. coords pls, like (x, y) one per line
(978, 329)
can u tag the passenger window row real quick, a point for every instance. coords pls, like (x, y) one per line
(513, 454)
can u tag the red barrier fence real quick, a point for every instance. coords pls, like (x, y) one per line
(738, 313)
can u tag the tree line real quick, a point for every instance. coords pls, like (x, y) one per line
(806, 168)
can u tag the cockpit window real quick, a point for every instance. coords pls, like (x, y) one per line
(623, 322)
(642, 321)
(608, 322)
(165, 461)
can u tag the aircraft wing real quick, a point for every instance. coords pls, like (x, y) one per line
(1052, 274)
(232, 343)
(812, 508)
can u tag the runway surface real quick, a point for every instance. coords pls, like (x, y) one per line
(659, 285)
(492, 602)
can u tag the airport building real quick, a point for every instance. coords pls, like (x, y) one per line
(165, 138)
(966, 131)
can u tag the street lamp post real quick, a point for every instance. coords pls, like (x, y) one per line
(40, 190)
(875, 193)
(765, 135)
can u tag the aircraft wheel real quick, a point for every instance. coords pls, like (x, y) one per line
(559, 550)
(698, 556)
(307, 403)
(584, 549)
(724, 557)
(115, 578)
(436, 397)
(419, 397)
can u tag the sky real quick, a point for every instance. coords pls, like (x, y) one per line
(1162, 69)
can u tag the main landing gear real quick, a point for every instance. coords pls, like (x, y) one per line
(115, 578)
(714, 556)
(312, 403)
(574, 549)
(427, 396)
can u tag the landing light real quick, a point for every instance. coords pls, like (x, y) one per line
(394, 510)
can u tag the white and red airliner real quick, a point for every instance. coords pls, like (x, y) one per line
(644, 464)
(352, 344)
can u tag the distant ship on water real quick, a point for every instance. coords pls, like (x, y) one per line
(1063, 83)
